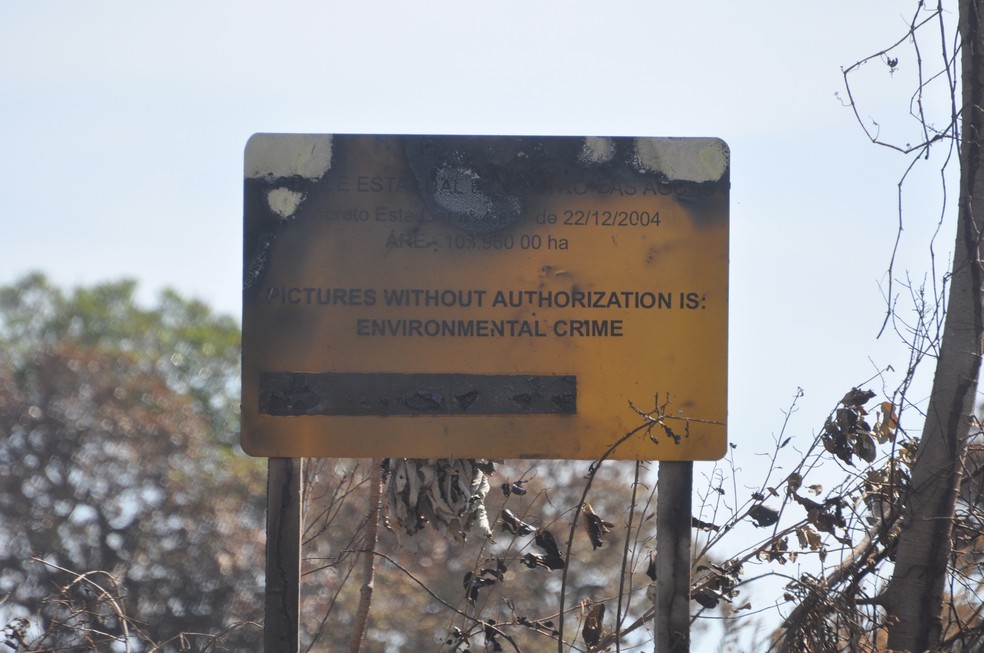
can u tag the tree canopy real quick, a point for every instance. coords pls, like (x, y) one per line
(118, 454)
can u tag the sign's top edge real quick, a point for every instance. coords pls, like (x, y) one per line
(477, 135)
(697, 159)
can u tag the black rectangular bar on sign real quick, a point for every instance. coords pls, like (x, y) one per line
(294, 394)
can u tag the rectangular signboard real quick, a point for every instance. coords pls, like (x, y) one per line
(485, 296)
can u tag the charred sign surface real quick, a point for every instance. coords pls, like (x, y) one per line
(466, 296)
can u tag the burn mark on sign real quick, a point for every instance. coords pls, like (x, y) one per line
(485, 184)
(295, 394)
(482, 184)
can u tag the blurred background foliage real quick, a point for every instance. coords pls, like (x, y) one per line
(119, 427)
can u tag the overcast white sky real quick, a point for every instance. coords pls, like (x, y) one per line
(122, 127)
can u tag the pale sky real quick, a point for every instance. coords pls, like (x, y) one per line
(123, 124)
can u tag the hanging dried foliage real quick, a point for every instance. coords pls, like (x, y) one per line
(448, 494)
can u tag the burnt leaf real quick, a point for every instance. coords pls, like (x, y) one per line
(513, 524)
(497, 573)
(545, 540)
(473, 584)
(706, 598)
(763, 516)
(835, 441)
(808, 538)
(809, 504)
(515, 487)
(864, 447)
(826, 516)
(847, 419)
(595, 526)
(547, 561)
(857, 397)
(492, 635)
(777, 551)
(716, 583)
(594, 628)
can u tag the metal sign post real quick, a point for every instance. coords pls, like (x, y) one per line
(285, 480)
(674, 489)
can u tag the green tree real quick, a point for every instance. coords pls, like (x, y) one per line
(117, 453)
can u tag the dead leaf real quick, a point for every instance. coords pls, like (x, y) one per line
(545, 540)
(706, 598)
(491, 636)
(534, 560)
(857, 397)
(888, 424)
(595, 526)
(594, 627)
(864, 447)
(762, 515)
(513, 524)
(473, 584)
(514, 488)
(777, 551)
(809, 538)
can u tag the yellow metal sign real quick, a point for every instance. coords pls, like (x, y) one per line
(485, 297)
